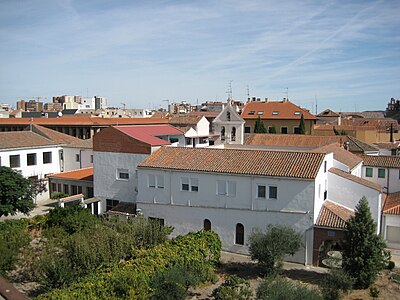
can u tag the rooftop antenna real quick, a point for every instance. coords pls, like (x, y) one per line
(287, 94)
(248, 91)
(229, 91)
(316, 105)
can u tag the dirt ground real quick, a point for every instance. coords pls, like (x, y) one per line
(241, 265)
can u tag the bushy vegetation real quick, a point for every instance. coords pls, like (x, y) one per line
(364, 254)
(13, 236)
(270, 247)
(234, 287)
(195, 252)
(278, 288)
(335, 284)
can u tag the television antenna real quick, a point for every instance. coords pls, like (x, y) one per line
(229, 91)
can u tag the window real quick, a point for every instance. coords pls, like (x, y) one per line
(227, 188)
(14, 161)
(66, 189)
(151, 180)
(74, 189)
(296, 130)
(207, 225)
(79, 189)
(110, 203)
(0, 161)
(233, 134)
(173, 140)
(273, 192)
(261, 191)
(275, 113)
(222, 133)
(188, 141)
(239, 238)
(331, 233)
(194, 184)
(160, 181)
(122, 174)
(91, 159)
(77, 157)
(157, 221)
(203, 140)
(381, 173)
(260, 113)
(185, 184)
(368, 172)
(247, 129)
(284, 130)
(251, 113)
(325, 195)
(47, 158)
(59, 187)
(53, 187)
(228, 116)
(325, 166)
(89, 192)
(297, 113)
(31, 159)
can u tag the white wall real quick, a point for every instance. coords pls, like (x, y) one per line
(392, 178)
(357, 170)
(186, 210)
(390, 220)
(203, 127)
(70, 162)
(321, 184)
(106, 185)
(349, 193)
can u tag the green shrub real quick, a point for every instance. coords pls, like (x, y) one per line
(58, 195)
(171, 284)
(234, 287)
(13, 236)
(374, 292)
(279, 288)
(72, 218)
(391, 265)
(335, 284)
(131, 279)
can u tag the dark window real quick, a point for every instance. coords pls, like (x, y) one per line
(368, 172)
(296, 130)
(222, 133)
(123, 175)
(59, 187)
(247, 129)
(325, 195)
(239, 239)
(79, 189)
(89, 192)
(381, 173)
(207, 225)
(53, 187)
(14, 161)
(47, 158)
(188, 141)
(185, 183)
(173, 140)
(31, 159)
(273, 192)
(74, 189)
(91, 159)
(233, 134)
(89, 207)
(77, 157)
(66, 189)
(96, 208)
(194, 184)
(284, 130)
(228, 116)
(110, 203)
(157, 220)
(261, 191)
(325, 164)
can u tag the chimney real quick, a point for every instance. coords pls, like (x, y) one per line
(253, 99)
(284, 100)
(266, 99)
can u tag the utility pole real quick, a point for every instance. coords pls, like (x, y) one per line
(229, 91)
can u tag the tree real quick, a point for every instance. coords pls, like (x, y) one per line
(302, 125)
(364, 254)
(272, 129)
(259, 127)
(271, 246)
(16, 192)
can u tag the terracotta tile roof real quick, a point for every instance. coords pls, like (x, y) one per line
(303, 165)
(346, 157)
(392, 204)
(328, 113)
(333, 215)
(388, 145)
(292, 140)
(355, 145)
(356, 179)
(88, 121)
(23, 139)
(207, 114)
(149, 133)
(80, 174)
(377, 124)
(61, 138)
(285, 110)
(383, 161)
(329, 127)
(184, 120)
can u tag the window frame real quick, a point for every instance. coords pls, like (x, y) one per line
(367, 173)
(15, 156)
(125, 172)
(151, 181)
(270, 193)
(29, 157)
(380, 170)
(262, 195)
(239, 234)
(77, 158)
(287, 130)
(185, 184)
(49, 159)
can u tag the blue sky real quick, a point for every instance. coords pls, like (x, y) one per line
(345, 54)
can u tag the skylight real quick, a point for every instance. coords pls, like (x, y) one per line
(275, 112)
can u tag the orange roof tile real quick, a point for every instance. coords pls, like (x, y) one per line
(275, 110)
(149, 133)
(85, 174)
(383, 161)
(23, 139)
(303, 165)
(388, 145)
(184, 120)
(392, 204)
(356, 179)
(333, 215)
(346, 157)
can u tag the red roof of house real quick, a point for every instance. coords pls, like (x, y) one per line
(333, 215)
(80, 174)
(149, 133)
(384, 161)
(392, 204)
(346, 157)
(275, 110)
(303, 165)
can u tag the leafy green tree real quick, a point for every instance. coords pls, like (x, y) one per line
(270, 247)
(16, 192)
(259, 127)
(335, 284)
(302, 125)
(364, 254)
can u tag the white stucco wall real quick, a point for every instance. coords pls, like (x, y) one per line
(321, 184)
(203, 127)
(70, 162)
(357, 170)
(390, 220)
(348, 193)
(105, 182)
(392, 178)
(186, 210)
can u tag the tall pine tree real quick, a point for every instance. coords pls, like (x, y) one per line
(302, 125)
(259, 127)
(364, 254)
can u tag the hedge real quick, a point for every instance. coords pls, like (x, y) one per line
(199, 251)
